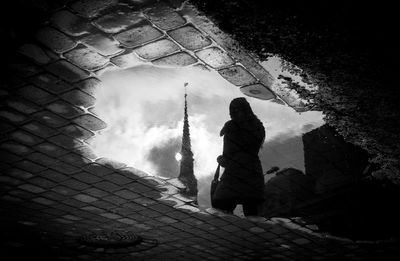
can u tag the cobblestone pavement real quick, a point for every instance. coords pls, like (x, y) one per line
(54, 190)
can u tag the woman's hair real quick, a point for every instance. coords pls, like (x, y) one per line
(241, 104)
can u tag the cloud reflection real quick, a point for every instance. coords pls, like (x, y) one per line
(143, 107)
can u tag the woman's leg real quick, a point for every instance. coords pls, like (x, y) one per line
(225, 204)
(250, 208)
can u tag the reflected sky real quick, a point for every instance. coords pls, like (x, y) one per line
(143, 107)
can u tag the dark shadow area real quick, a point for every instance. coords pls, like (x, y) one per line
(336, 193)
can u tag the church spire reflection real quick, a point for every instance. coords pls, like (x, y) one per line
(186, 173)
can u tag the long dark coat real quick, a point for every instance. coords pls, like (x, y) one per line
(243, 177)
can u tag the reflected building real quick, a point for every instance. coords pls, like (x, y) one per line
(186, 173)
(334, 192)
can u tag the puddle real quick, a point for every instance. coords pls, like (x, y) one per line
(144, 108)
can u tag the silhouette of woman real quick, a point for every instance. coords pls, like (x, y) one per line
(242, 181)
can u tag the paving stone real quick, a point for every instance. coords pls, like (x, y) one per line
(96, 192)
(157, 49)
(42, 182)
(20, 174)
(36, 53)
(110, 215)
(36, 94)
(86, 58)
(215, 57)
(72, 217)
(115, 200)
(86, 152)
(51, 149)
(21, 67)
(97, 169)
(127, 59)
(75, 184)
(189, 37)
(50, 119)
(117, 179)
(43, 201)
(32, 188)
(85, 198)
(67, 71)
(65, 141)
(53, 175)
(64, 109)
(76, 131)
(89, 86)
(12, 116)
(75, 159)
(50, 83)
(55, 40)
(41, 158)
(79, 98)
(86, 177)
(166, 220)
(237, 75)
(91, 8)
(257, 91)
(111, 164)
(15, 147)
(10, 181)
(90, 122)
(118, 21)
(70, 23)
(65, 191)
(93, 209)
(102, 44)
(22, 105)
(176, 60)
(165, 17)
(9, 158)
(103, 205)
(126, 194)
(107, 186)
(64, 168)
(138, 35)
(107, 68)
(25, 137)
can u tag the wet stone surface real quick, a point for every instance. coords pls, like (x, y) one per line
(189, 37)
(118, 21)
(50, 83)
(70, 23)
(85, 58)
(138, 36)
(177, 59)
(165, 18)
(68, 71)
(215, 57)
(91, 8)
(237, 75)
(259, 91)
(35, 53)
(102, 44)
(55, 40)
(157, 49)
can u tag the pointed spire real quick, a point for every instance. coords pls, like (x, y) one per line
(186, 174)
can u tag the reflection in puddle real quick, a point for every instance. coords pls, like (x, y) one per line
(143, 107)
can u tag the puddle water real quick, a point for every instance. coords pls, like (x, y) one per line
(144, 108)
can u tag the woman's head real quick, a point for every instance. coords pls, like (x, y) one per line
(239, 109)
